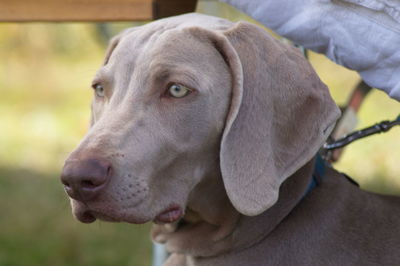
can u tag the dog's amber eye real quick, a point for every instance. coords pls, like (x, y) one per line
(98, 89)
(178, 90)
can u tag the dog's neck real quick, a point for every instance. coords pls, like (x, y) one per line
(212, 226)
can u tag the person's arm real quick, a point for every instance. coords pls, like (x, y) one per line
(362, 35)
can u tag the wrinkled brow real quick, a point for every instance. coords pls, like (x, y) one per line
(100, 76)
(175, 73)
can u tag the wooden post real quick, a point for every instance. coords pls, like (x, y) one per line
(167, 8)
(91, 10)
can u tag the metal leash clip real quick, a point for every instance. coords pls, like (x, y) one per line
(383, 126)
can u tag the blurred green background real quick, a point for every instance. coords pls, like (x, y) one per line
(45, 75)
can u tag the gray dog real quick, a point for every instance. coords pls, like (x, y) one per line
(209, 128)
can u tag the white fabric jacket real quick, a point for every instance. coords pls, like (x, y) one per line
(363, 35)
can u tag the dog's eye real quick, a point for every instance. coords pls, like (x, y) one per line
(98, 89)
(178, 90)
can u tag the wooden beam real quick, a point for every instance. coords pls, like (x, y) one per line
(79, 10)
(166, 8)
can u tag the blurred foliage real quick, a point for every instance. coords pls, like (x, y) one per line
(45, 76)
(372, 161)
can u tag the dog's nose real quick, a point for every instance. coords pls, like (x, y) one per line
(84, 179)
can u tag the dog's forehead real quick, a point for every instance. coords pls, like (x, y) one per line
(161, 33)
(164, 43)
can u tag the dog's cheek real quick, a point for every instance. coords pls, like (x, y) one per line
(127, 190)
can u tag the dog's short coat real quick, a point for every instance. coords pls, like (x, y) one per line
(222, 170)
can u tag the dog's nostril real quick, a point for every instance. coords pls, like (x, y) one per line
(88, 184)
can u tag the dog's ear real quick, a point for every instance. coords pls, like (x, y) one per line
(111, 47)
(113, 43)
(280, 115)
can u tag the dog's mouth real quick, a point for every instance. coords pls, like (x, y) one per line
(86, 213)
(91, 216)
(86, 217)
(190, 221)
(174, 219)
(89, 213)
(170, 215)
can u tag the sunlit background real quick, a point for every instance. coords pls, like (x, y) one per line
(45, 75)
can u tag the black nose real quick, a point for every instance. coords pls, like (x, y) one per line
(84, 179)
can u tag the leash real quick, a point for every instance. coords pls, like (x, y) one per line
(348, 121)
(383, 126)
(332, 149)
(322, 158)
(346, 124)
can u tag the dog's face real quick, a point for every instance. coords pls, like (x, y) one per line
(158, 113)
(186, 98)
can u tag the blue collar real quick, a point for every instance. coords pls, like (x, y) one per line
(318, 174)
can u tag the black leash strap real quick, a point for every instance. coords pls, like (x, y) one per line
(348, 121)
(383, 126)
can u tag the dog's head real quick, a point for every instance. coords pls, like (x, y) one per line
(186, 98)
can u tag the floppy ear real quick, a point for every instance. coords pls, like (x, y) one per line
(111, 47)
(280, 115)
(113, 43)
(283, 117)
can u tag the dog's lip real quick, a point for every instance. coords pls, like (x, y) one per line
(89, 213)
(115, 216)
(169, 215)
(83, 214)
(85, 217)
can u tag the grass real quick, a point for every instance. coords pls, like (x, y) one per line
(45, 73)
(37, 228)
